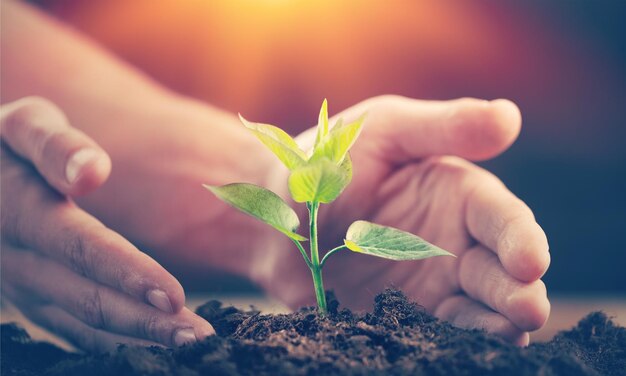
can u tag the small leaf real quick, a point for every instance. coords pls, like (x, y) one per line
(346, 166)
(279, 142)
(319, 181)
(262, 204)
(388, 242)
(336, 144)
(322, 123)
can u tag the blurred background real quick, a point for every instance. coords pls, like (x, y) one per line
(562, 62)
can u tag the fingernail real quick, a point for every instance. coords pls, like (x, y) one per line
(77, 161)
(159, 299)
(184, 337)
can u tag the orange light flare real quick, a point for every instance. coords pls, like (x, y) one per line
(276, 59)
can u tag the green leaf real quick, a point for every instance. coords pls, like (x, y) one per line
(338, 123)
(262, 204)
(388, 242)
(279, 142)
(346, 166)
(322, 123)
(319, 181)
(336, 144)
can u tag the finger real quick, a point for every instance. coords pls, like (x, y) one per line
(99, 306)
(38, 131)
(64, 232)
(504, 224)
(78, 333)
(65, 325)
(483, 278)
(405, 129)
(468, 313)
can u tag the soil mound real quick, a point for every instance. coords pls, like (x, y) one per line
(397, 338)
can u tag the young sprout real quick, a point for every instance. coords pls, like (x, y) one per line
(316, 178)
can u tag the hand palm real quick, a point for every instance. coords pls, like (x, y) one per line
(425, 198)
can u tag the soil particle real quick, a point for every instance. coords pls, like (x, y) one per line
(397, 338)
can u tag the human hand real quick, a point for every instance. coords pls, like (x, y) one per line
(163, 151)
(399, 165)
(409, 173)
(60, 266)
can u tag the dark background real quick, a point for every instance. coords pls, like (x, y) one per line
(562, 62)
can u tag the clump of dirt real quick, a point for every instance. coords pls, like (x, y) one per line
(397, 338)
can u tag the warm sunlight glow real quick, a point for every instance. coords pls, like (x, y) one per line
(276, 59)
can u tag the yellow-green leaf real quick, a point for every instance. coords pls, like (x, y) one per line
(262, 204)
(279, 142)
(319, 181)
(346, 166)
(339, 140)
(388, 242)
(322, 123)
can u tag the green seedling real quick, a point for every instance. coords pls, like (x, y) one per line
(318, 177)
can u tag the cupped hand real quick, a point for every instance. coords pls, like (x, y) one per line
(411, 171)
(60, 266)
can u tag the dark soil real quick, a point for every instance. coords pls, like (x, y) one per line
(397, 338)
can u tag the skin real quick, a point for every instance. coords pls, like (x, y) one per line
(410, 173)
(85, 266)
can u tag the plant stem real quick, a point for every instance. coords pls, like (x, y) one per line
(330, 253)
(306, 257)
(316, 269)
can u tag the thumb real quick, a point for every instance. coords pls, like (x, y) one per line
(39, 132)
(404, 129)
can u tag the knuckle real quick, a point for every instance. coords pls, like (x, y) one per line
(28, 112)
(54, 144)
(481, 322)
(51, 145)
(38, 102)
(79, 245)
(151, 327)
(102, 255)
(458, 168)
(90, 305)
(510, 224)
(36, 106)
(76, 254)
(386, 99)
(442, 173)
(465, 267)
(34, 121)
(25, 202)
(123, 277)
(382, 103)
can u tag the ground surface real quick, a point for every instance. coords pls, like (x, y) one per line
(398, 337)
